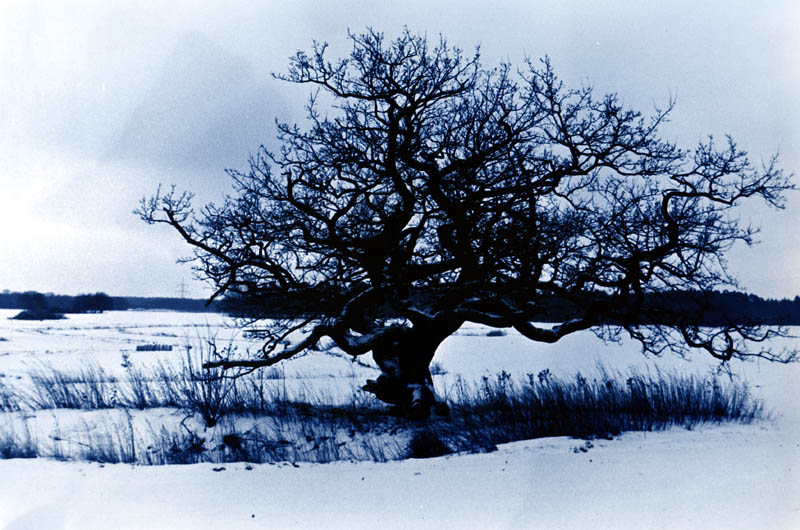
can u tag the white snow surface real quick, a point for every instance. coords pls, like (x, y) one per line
(726, 476)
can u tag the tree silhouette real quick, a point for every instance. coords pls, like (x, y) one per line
(33, 301)
(428, 191)
(94, 303)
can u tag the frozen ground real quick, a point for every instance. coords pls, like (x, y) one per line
(727, 476)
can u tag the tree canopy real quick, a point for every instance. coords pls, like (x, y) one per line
(92, 303)
(427, 191)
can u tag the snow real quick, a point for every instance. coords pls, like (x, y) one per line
(725, 477)
(728, 476)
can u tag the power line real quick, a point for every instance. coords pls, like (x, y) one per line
(182, 289)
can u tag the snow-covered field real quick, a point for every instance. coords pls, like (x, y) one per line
(728, 476)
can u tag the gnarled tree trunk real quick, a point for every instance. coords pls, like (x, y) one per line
(404, 358)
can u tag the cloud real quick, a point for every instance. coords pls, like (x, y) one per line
(101, 101)
(204, 110)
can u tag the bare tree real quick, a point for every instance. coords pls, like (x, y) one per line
(427, 192)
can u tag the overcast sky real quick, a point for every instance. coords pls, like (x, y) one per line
(102, 101)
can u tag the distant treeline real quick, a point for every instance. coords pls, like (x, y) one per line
(710, 308)
(670, 307)
(192, 305)
(97, 302)
(716, 308)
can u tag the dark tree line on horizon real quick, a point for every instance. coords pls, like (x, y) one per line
(710, 308)
(44, 304)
